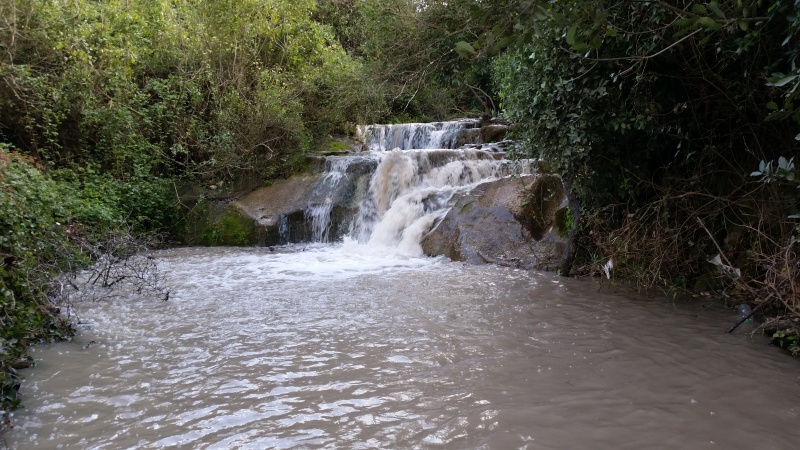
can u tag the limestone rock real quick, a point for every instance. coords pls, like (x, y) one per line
(267, 204)
(281, 210)
(507, 222)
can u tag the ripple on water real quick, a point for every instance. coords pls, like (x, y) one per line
(346, 349)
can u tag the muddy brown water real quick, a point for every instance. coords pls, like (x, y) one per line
(337, 347)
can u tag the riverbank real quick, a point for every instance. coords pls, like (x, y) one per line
(53, 226)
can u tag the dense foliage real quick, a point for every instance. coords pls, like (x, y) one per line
(32, 247)
(172, 87)
(676, 124)
(416, 72)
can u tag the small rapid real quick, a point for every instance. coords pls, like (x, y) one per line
(410, 190)
(406, 136)
(416, 170)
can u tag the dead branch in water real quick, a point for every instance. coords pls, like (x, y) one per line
(121, 264)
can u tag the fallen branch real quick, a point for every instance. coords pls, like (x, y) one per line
(743, 319)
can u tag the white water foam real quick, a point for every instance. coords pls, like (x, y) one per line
(418, 177)
(411, 190)
(409, 136)
(311, 263)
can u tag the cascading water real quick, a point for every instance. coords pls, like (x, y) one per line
(411, 189)
(418, 172)
(408, 136)
(320, 218)
(318, 212)
(283, 229)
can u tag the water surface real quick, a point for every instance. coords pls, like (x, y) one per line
(340, 347)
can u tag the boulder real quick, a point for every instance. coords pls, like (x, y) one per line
(267, 204)
(494, 133)
(301, 207)
(508, 222)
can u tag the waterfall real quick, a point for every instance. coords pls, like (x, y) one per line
(283, 229)
(325, 193)
(320, 218)
(395, 193)
(411, 189)
(409, 136)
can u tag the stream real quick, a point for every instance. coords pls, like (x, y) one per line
(360, 341)
(339, 346)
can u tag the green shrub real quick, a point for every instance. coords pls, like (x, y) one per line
(34, 247)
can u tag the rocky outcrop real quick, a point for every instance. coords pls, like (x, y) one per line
(477, 136)
(268, 204)
(508, 221)
(493, 133)
(285, 211)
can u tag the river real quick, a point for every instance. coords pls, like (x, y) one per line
(340, 346)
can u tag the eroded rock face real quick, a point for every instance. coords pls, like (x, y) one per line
(266, 205)
(284, 212)
(508, 222)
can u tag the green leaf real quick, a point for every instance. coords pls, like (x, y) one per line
(743, 25)
(780, 80)
(502, 43)
(611, 31)
(464, 48)
(699, 9)
(708, 23)
(539, 13)
(772, 106)
(571, 35)
(713, 6)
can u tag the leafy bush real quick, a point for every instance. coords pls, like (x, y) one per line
(656, 116)
(33, 247)
(53, 227)
(174, 88)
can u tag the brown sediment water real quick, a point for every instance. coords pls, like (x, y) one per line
(335, 346)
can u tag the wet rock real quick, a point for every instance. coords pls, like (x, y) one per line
(217, 223)
(469, 136)
(281, 213)
(267, 204)
(535, 205)
(493, 133)
(508, 222)
(20, 364)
